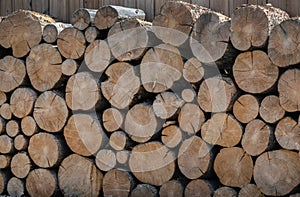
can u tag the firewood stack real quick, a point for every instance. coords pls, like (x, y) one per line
(193, 104)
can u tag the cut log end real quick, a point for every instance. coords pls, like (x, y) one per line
(246, 108)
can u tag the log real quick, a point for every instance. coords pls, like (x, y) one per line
(222, 129)
(140, 123)
(287, 133)
(188, 95)
(5, 161)
(122, 156)
(193, 70)
(283, 50)
(225, 191)
(212, 89)
(161, 66)
(5, 111)
(52, 30)
(28, 126)
(250, 190)
(97, 56)
(285, 163)
(12, 73)
(191, 118)
(20, 142)
(246, 108)
(78, 176)
(233, 167)
(22, 101)
(171, 136)
(44, 73)
(50, 112)
(121, 86)
(246, 32)
(117, 183)
(71, 43)
(118, 140)
(171, 188)
(83, 134)
(82, 91)
(107, 16)
(3, 98)
(69, 67)
(6, 144)
(82, 18)
(15, 187)
(112, 119)
(12, 128)
(144, 190)
(198, 188)
(176, 19)
(45, 150)
(270, 109)
(91, 34)
(106, 160)
(194, 158)
(166, 105)
(254, 72)
(128, 39)
(152, 163)
(288, 86)
(20, 165)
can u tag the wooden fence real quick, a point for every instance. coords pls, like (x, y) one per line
(63, 9)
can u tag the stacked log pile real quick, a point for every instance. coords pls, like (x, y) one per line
(193, 104)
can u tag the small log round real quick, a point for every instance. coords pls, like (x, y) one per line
(69, 67)
(171, 188)
(288, 86)
(41, 182)
(50, 112)
(254, 72)
(144, 190)
(28, 126)
(82, 18)
(188, 95)
(198, 188)
(152, 163)
(225, 191)
(75, 170)
(51, 31)
(118, 140)
(15, 187)
(287, 134)
(5, 111)
(6, 144)
(20, 142)
(44, 73)
(3, 97)
(194, 158)
(161, 66)
(270, 109)
(171, 136)
(106, 160)
(122, 156)
(20, 165)
(250, 190)
(285, 163)
(12, 73)
(12, 128)
(5, 161)
(112, 119)
(233, 167)
(22, 101)
(91, 34)
(246, 108)
(193, 70)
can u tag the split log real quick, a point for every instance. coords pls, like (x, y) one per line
(193, 70)
(118, 140)
(287, 134)
(121, 86)
(122, 156)
(194, 158)
(83, 134)
(166, 105)
(270, 109)
(82, 91)
(20, 165)
(246, 108)
(141, 123)
(3, 97)
(82, 18)
(128, 39)
(45, 150)
(69, 67)
(188, 95)
(50, 112)
(76, 170)
(198, 188)
(6, 144)
(288, 86)
(28, 126)
(106, 160)
(283, 50)
(171, 188)
(285, 163)
(107, 16)
(91, 34)
(191, 118)
(144, 190)
(20, 142)
(97, 56)
(52, 30)
(212, 89)
(5, 161)
(222, 129)
(41, 182)
(22, 101)
(44, 73)
(246, 32)
(12, 128)
(254, 72)
(112, 119)
(160, 68)
(225, 191)
(12, 73)
(152, 163)
(171, 136)
(250, 190)
(15, 187)
(176, 19)
(117, 183)
(233, 167)
(71, 43)
(5, 111)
